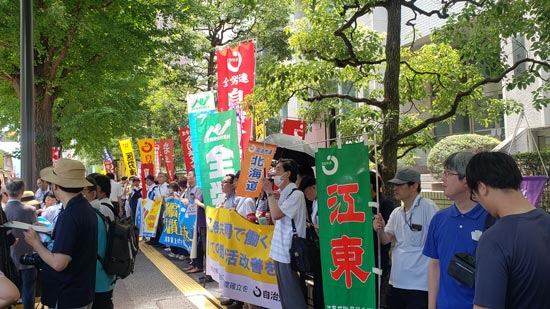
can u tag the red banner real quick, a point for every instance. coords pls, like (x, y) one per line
(295, 128)
(167, 149)
(185, 139)
(158, 159)
(235, 75)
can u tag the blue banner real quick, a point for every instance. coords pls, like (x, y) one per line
(179, 224)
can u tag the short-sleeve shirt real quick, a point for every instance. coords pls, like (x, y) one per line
(293, 205)
(75, 235)
(452, 232)
(201, 215)
(409, 266)
(17, 211)
(116, 191)
(512, 268)
(245, 206)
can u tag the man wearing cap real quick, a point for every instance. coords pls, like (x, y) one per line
(68, 274)
(407, 228)
(17, 211)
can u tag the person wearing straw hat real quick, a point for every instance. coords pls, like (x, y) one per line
(68, 274)
(17, 211)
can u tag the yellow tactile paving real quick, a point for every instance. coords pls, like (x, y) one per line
(191, 289)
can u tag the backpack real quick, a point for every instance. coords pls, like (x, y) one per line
(122, 247)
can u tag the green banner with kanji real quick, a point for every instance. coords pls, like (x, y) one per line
(345, 227)
(218, 151)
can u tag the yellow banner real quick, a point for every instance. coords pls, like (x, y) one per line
(146, 150)
(238, 258)
(128, 155)
(150, 212)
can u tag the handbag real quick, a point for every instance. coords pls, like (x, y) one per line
(462, 267)
(304, 252)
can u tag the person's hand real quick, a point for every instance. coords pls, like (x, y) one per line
(31, 237)
(267, 185)
(378, 223)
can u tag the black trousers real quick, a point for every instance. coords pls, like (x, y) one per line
(407, 299)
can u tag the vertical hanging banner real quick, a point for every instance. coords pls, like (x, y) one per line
(56, 155)
(218, 151)
(158, 159)
(200, 102)
(532, 188)
(167, 149)
(236, 73)
(199, 106)
(128, 155)
(347, 248)
(295, 128)
(185, 139)
(257, 157)
(108, 161)
(146, 148)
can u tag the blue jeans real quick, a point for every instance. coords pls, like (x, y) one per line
(28, 285)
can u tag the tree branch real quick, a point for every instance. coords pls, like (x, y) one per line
(461, 95)
(321, 97)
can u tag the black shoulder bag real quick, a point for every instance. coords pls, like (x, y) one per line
(304, 252)
(462, 266)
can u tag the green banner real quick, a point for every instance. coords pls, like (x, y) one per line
(218, 151)
(345, 227)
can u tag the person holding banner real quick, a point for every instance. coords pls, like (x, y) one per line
(288, 208)
(407, 228)
(511, 266)
(453, 230)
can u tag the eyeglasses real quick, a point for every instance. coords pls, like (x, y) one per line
(447, 173)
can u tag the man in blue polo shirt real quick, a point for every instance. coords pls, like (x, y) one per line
(68, 275)
(455, 229)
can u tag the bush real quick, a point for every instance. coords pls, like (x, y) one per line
(455, 143)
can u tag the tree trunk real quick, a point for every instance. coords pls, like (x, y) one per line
(44, 128)
(391, 93)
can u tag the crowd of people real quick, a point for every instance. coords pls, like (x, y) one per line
(417, 246)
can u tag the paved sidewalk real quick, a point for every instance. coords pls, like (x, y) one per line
(158, 281)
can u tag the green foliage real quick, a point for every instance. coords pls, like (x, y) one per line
(455, 143)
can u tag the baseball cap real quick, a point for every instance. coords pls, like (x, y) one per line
(404, 176)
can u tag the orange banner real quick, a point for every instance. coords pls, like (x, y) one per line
(256, 159)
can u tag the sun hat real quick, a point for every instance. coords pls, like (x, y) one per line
(29, 199)
(404, 176)
(66, 173)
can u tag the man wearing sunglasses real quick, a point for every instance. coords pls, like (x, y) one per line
(407, 229)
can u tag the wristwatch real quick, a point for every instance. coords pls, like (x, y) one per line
(270, 194)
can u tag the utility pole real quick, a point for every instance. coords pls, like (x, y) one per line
(27, 94)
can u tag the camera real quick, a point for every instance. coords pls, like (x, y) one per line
(31, 259)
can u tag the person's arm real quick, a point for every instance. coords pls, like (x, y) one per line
(9, 294)
(57, 261)
(378, 225)
(433, 283)
(478, 307)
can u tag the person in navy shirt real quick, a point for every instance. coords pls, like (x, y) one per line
(512, 268)
(68, 275)
(455, 229)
